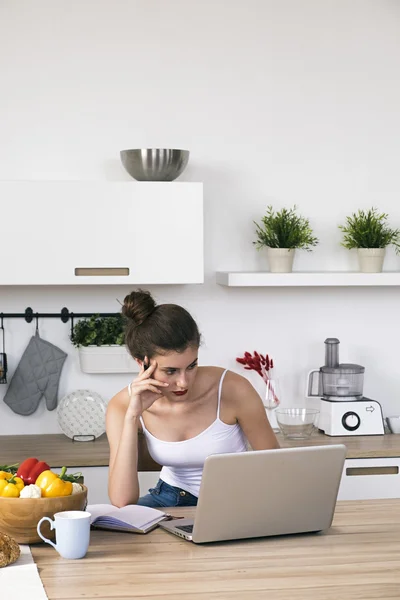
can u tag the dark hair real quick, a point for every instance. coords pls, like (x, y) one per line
(154, 329)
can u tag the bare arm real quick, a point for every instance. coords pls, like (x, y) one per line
(250, 413)
(122, 433)
(122, 423)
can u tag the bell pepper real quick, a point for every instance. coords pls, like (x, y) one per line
(11, 487)
(53, 485)
(30, 469)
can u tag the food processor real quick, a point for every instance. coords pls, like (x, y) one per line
(344, 410)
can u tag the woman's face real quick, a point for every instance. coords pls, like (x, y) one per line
(178, 369)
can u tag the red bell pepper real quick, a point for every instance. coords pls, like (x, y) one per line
(30, 469)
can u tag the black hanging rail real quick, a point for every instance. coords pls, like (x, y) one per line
(64, 315)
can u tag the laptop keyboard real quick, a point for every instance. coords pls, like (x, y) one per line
(187, 528)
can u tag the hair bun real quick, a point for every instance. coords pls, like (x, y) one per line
(138, 306)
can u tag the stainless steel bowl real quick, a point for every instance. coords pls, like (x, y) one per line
(154, 164)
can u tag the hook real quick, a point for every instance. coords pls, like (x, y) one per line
(64, 314)
(37, 323)
(3, 332)
(28, 314)
(72, 325)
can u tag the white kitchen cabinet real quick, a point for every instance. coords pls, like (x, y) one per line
(84, 232)
(368, 478)
(96, 480)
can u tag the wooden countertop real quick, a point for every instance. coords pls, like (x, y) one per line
(358, 446)
(58, 450)
(358, 557)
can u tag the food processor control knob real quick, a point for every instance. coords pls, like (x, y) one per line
(351, 421)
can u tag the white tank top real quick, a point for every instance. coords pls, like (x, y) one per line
(184, 461)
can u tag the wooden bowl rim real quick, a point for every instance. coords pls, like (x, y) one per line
(76, 495)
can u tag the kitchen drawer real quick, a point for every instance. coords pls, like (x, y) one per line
(369, 478)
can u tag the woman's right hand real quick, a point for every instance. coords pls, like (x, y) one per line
(144, 391)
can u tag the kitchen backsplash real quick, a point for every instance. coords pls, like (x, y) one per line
(290, 325)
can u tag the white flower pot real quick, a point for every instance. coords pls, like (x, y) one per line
(106, 359)
(371, 259)
(280, 260)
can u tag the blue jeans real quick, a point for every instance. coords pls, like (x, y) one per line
(167, 495)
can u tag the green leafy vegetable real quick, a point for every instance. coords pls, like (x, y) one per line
(99, 331)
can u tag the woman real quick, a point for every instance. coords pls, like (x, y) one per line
(186, 412)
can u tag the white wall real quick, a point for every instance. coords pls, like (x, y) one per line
(279, 102)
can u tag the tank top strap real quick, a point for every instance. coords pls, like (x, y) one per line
(220, 392)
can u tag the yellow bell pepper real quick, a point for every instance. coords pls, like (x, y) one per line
(11, 487)
(53, 485)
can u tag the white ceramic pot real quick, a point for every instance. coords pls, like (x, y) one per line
(394, 424)
(106, 359)
(280, 260)
(371, 259)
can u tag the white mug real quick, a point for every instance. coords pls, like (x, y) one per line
(72, 532)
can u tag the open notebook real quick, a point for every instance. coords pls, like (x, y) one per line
(132, 518)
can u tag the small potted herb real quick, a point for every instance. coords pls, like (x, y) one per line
(369, 232)
(282, 232)
(100, 341)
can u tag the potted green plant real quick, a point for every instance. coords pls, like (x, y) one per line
(369, 232)
(281, 233)
(100, 342)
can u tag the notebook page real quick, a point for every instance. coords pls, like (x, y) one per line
(98, 510)
(138, 516)
(133, 514)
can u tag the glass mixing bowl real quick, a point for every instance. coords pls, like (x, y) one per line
(296, 423)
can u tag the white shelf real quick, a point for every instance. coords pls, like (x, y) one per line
(307, 279)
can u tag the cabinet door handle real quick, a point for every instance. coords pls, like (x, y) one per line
(101, 271)
(354, 471)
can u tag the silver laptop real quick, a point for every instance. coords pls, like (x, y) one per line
(264, 493)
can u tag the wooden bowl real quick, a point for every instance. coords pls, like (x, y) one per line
(19, 516)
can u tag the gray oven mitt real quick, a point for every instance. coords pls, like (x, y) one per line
(38, 373)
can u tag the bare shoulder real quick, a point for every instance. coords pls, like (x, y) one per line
(245, 404)
(119, 402)
(236, 387)
(209, 374)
